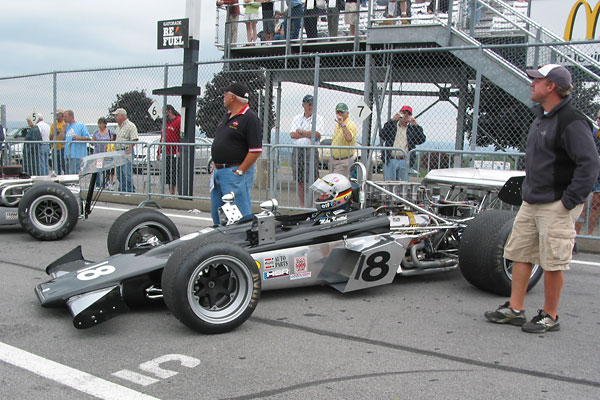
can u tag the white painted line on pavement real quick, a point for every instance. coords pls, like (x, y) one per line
(71, 377)
(168, 215)
(585, 263)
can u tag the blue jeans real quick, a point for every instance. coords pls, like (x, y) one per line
(58, 161)
(44, 152)
(73, 165)
(297, 12)
(395, 170)
(226, 182)
(125, 177)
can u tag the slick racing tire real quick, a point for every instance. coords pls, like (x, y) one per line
(481, 253)
(213, 288)
(48, 211)
(140, 227)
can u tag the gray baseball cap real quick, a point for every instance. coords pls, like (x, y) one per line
(553, 72)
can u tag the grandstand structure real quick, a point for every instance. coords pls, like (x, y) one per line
(475, 41)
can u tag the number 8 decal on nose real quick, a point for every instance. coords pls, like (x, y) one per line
(95, 272)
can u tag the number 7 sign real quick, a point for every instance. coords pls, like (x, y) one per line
(360, 112)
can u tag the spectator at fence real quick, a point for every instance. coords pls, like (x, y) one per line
(561, 166)
(301, 133)
(403, 133)
(268, 23)
(102, 134)
(310, 19)
(31, 151)
(251, 16)
(442, 6)
(233, 15)
(172, 152)
(126, 132)
(392, 11)
(344, 134)
(295, 12)
(279, 30)
(594, 202)
(333, 16)
(45, 147)
(351, 15)
(58, 149)
(76, 136)
(236, 147)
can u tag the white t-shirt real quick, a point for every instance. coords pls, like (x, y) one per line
(44, 130)
(299, 122)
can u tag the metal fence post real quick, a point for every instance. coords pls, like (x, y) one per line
(54, 103)
(3, 123)
(476, 103)
(313, 128)
(163, 161)
(277, 132)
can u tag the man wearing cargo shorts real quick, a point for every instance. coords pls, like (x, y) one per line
(561, 166)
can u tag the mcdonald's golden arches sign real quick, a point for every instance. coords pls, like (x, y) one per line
(591, 19)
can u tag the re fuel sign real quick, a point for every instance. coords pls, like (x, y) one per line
(173, 34)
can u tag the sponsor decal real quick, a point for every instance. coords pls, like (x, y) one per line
(300, 264)
(301, 275)
(11, 215)
(276, 273)
(342, 219)
(591, 19)
(281, 262)
(269, 263)
(235, 123)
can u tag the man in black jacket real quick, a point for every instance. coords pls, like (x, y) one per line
(403, 133)
(561, 165)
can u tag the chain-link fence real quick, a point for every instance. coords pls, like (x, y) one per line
(470, 97)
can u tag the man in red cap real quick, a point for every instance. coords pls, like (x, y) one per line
(402, 133)
(561, 165)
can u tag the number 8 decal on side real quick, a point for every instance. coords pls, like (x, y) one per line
(375, 261)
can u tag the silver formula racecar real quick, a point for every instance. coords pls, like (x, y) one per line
(362, 235)
(48, 207)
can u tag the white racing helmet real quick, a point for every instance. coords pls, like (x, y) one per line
(332, 192)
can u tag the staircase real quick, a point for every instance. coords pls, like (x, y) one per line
(495, 22)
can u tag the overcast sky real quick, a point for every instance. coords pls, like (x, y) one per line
(51, 35)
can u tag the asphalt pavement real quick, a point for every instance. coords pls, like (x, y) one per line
(417, 338)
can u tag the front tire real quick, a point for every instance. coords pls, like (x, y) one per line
(481, 253)
(48, 211)
(213, 288)
(140, 227)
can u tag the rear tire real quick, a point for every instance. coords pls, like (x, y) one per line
(139, 227)
(213, 288)
(48, 211)
(481, 253)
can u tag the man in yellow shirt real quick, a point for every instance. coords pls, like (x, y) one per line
(344, 134)
(58, 149)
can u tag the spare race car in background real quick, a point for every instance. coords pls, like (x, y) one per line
(48, 207)
(361, 236)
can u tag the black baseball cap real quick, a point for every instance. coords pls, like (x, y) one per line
(239, 89)
(308, 99)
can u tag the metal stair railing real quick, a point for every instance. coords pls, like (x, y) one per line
(541, 35)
